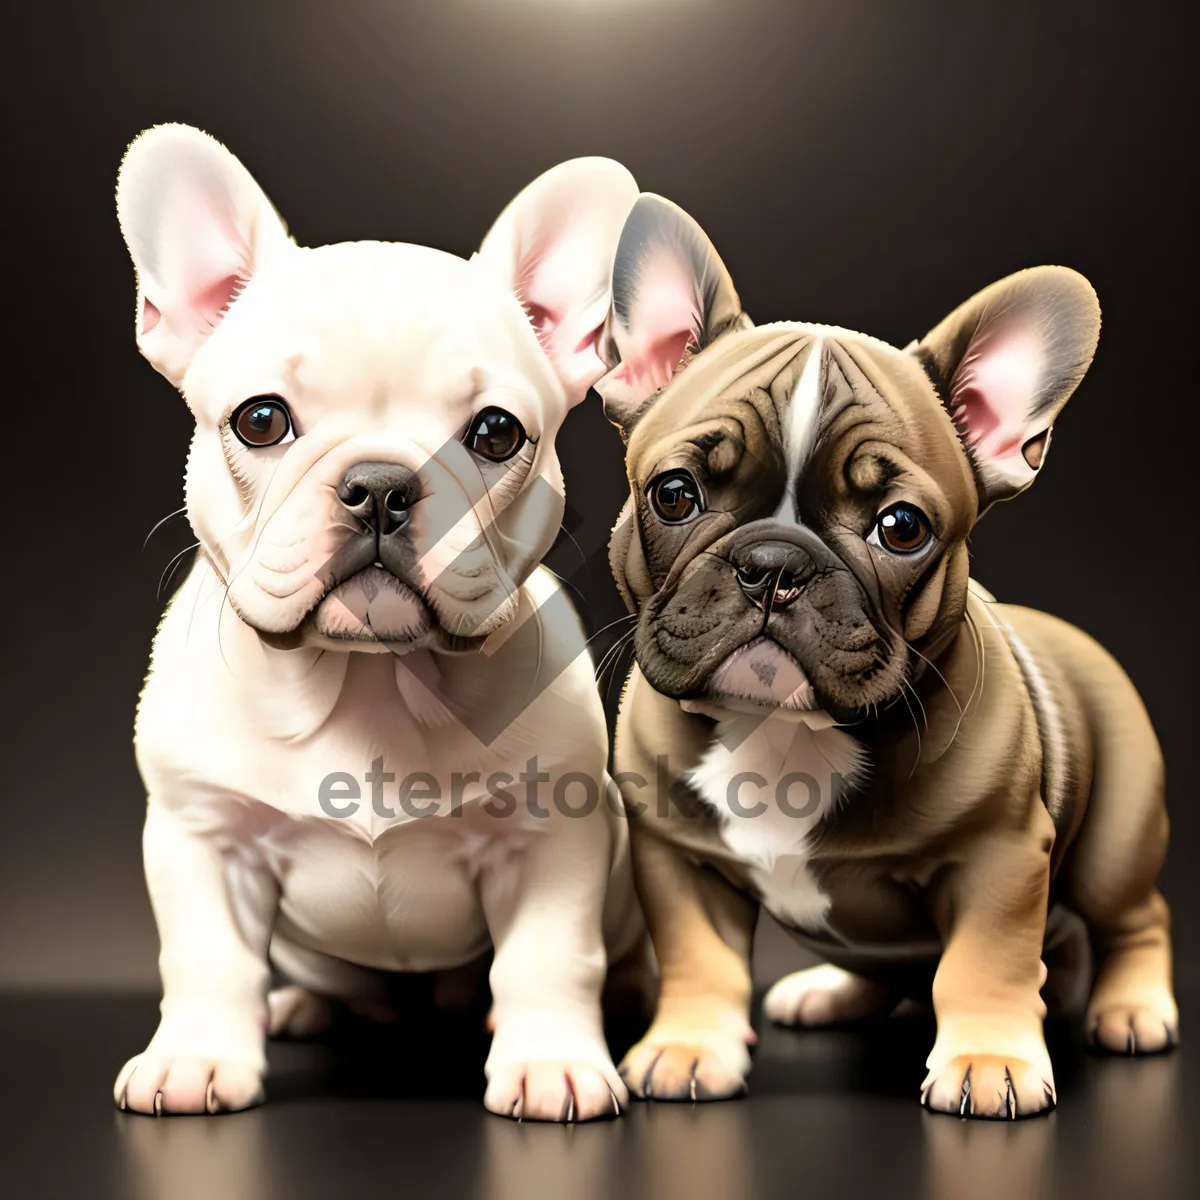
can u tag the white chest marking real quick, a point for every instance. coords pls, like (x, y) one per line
(771, 782)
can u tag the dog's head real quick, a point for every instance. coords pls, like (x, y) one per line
(801, 495)
(373, 465)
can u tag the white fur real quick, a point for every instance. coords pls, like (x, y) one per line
(801, 423)
(383, 352)
(773, 842)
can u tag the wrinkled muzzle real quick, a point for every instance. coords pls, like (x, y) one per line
(373, 539)
(769, 616)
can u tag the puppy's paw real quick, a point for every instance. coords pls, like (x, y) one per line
(989, 1085)
(824, 995)
(665, 1070)
(295, 1012)
(166, 1084)
(555, 1090)
(1134, 1028)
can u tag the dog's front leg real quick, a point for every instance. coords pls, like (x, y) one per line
(703, 930)
(208, 1053)
(990, 1057)
(549, 1060)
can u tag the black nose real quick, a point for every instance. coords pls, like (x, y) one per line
(379, 495)
(773, 574)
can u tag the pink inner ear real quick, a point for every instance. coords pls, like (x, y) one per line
(543, 320)
(552, 269)
(589, 340)
(993, 390)
(213, 301)
(150, 315)
(204, 255)
(655, 366)
(665, 318)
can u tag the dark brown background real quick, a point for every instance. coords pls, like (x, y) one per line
(857, 162)
(863, 162)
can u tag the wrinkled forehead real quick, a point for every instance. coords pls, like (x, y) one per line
(794, 390)
(366, 323)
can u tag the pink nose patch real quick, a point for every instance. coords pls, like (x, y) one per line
(762, 671)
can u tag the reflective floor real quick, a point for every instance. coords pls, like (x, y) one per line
(398, 1113)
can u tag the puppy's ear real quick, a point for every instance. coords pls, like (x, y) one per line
(1006, 362)
(672, 297)
(553, 246)
(198, 228)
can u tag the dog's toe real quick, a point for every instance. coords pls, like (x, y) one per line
(824, 995)
(657, 1071)
(989, 1085)
(550, 1090)
(165, 1085)
(1133, 1029)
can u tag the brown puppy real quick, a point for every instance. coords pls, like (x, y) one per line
(907, 774)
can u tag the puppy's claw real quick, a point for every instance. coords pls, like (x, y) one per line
(989, 1086)
(648, 1078)
(680, 1071)
(616, 1103)
(158, 1104)
(1134, 1028)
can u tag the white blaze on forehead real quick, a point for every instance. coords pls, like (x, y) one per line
(800, 425)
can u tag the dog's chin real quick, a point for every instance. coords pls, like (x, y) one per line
(761, 674)
(372, 610)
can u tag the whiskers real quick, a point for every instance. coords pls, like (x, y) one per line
(980, 667)
(164, 580)
(583, 562)
(907, 688)
(566, 583)
(168, 572)
(610, 661)
(977, 685)
(159, 524)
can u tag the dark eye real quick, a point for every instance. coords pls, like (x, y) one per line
(903, 529)
(676, 497)
(263, 421)
(495, 435)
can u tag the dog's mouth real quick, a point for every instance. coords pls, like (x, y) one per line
(764, 674)
(374, 608)
(373, 594)
(372, 605)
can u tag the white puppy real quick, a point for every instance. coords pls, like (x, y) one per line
(370, 723)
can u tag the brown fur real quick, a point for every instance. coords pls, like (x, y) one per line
(1020, 776)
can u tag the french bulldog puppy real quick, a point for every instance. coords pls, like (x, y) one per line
(366, 699)
(906, 774)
